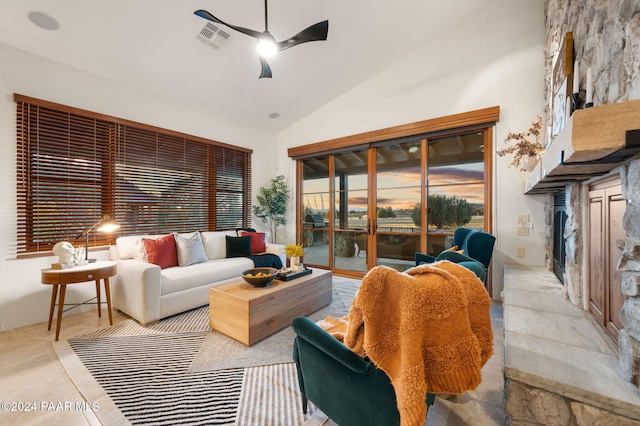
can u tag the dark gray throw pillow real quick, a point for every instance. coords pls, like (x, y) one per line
(238, 246)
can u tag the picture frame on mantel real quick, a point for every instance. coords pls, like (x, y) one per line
(562, 85)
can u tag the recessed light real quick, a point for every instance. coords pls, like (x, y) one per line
(274, 115)
(43, 20)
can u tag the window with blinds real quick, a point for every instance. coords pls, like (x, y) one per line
(75, 166)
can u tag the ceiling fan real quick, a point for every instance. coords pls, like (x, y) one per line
(267, 44)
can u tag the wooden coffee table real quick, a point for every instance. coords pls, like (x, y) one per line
(249, 314)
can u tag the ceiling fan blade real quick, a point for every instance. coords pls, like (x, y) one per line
(266, 70)
(317, 32)
(208, 16)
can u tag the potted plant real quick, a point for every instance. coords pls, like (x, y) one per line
(272, 208)
(527, 146)
(295, 253)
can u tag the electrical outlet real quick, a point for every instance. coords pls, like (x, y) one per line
(520, 252)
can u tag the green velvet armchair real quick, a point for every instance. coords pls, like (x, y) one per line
(351, 390)
(473, 265)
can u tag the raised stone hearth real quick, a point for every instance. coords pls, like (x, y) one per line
(559, 367)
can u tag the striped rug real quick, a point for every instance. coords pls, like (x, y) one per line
(190, 321)
(146, 378)
(141, 375)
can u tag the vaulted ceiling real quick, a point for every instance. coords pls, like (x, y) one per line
(151, 45)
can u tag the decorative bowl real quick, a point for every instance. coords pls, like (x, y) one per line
(259, 277)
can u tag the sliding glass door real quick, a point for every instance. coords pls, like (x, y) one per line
(456, 190)
(380, 203)
(398, 200)
(316, 210)
(335, 210)
(351, 210)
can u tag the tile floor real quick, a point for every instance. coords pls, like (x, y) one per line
(485, 405)
(30, 372)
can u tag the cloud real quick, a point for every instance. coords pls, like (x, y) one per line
(358, 202)
(455, 174)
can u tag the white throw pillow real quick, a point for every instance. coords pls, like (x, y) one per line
(190, 250)
(131, 247)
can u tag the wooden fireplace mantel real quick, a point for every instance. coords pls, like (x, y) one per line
(593, 141)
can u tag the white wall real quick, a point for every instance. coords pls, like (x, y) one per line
(23, 300)
(495, 58)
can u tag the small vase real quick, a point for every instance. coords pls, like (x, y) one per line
(293, 261)
(528, 163)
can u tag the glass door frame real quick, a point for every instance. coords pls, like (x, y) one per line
(481, 120)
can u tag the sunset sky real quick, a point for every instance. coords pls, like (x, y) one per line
(401, 189)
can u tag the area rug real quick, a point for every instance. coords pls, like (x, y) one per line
(220, 352)
(169, 373)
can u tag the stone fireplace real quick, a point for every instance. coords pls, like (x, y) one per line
(593, 224)
(561, 367)
(606, 37)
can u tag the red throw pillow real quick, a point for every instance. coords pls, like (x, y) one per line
(258, 241)
(161, 252)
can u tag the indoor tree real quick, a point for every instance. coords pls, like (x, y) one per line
(272, 208)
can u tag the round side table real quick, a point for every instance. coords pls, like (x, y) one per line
(59, 278)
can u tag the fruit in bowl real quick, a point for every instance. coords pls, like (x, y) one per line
(259, 277)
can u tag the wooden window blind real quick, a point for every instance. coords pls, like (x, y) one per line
(230, 188)
(75, 166)
(62, 160)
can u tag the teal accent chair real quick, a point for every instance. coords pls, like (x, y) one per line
(351, 390)
(477, 246)
(473, 265)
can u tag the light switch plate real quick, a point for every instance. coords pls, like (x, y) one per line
(521, 224)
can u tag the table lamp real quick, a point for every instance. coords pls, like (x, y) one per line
(106, 225)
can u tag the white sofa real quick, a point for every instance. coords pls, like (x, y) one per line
(148, 293)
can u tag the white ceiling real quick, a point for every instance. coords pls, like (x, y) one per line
(150, 44)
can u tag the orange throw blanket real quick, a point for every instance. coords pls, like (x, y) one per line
(428, 329)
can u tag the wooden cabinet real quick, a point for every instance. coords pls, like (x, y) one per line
(606, 210)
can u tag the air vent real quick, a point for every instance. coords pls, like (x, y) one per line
(211, 35)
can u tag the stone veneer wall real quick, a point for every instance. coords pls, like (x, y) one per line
(629, 265)
(574, 246)
(606, 38)
(531, 406)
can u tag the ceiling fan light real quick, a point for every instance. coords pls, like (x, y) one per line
(267, 48)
